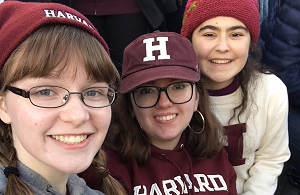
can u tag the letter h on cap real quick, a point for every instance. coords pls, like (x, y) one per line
(162, 47)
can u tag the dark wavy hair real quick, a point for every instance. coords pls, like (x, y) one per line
(247, 76)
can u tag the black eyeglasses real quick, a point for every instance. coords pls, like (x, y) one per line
(54, 96)
(148, 96)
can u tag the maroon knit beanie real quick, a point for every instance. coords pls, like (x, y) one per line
(18, 20)
(198, 11)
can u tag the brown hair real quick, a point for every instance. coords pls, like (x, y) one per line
(247, 76)
(37, 57)
(126, 136)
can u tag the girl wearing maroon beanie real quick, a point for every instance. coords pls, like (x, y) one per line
(57, 83)
(250, 102)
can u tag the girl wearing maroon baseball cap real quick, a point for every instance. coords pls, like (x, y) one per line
(250, 102)
(57, 83)
(163, 138)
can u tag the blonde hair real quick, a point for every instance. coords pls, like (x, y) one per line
(37, 57)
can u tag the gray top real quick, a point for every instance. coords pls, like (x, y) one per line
(39, 185)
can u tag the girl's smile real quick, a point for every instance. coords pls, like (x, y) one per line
(166, 117)
(222, 47)
(71, 133)
(67, 139)
(165, 122)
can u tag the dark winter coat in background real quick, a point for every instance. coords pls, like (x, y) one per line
(280, 41)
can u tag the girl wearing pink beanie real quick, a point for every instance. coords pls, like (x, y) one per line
(250, 102)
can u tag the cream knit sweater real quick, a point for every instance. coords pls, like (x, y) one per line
(264, 145)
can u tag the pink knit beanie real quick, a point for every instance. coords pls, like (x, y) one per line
(198, 11)
(20, 19)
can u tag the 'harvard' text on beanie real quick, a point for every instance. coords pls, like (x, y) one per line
(20, 19)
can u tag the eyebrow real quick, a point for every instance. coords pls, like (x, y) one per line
(211, 27)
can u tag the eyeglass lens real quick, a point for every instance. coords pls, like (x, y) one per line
(54, 96)
(148, 96)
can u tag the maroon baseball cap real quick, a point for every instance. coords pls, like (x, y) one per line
(158, 55)
(20, 19)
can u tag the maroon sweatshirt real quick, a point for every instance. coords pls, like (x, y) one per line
(170, 172)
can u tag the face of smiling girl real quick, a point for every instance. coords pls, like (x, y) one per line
(165, 122)
(38, 133)
(222, 47)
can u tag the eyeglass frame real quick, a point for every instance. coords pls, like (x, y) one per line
(26, 94)
(160, 89)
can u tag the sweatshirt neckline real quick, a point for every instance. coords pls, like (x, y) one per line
(159, 151)
(234, 85)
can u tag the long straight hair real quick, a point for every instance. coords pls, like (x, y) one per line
(37, 57)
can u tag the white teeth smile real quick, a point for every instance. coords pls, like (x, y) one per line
(220, 61)
(166, 118)
(70, 139)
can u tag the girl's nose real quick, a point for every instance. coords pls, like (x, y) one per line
(164, 101)
(74, 111)
(222, 45)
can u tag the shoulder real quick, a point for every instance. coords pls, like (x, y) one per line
(270, 98)
(114, 162)
(222, 155)
(122, 171)
(269, 90)
(113, 157)
(77, 185)
(270, 83)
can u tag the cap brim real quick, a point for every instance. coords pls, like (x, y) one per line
(160, 72)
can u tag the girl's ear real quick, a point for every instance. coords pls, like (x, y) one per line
(4, 116)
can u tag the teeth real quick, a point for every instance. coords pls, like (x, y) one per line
(70, 139)
(220, 61)
(166, 118)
